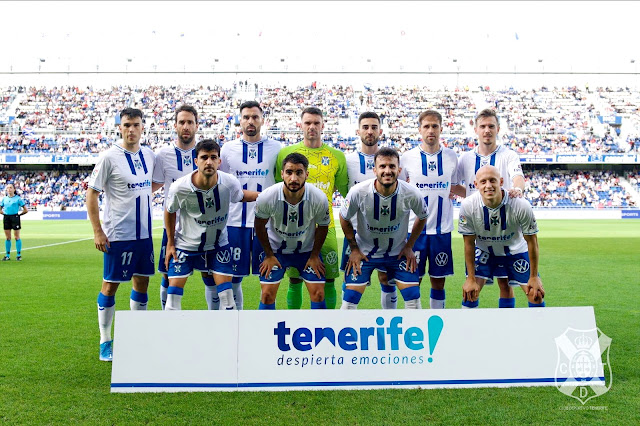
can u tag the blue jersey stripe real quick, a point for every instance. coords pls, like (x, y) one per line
(301, 213)
(260, 151)
(178, 159)
(394, 204)
(149, 216)
(298, 247)
(244, 209)
(487, 224)
(285, 213)
(439, 216)
(216, 197)
(194, 166)
(425, 166)
(218, 233)
(503, 217)
(376, 206)
(506, 250)
(477, 163)
(282, 247)
(245, 153)
(203, 241)
(200, 202)
(390, 246)
(375, 247)
(363, 165)
(440, 168)
(130, 161)
(144, 163)
(138, 224)
(492, 159)
(491, 251)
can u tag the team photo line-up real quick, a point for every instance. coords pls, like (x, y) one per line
(253, 206)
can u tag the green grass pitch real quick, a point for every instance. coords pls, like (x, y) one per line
(50, 373)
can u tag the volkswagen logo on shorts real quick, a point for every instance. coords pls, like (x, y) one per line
(332, 258)
(223, 256)
(442, 259)
(521, 266)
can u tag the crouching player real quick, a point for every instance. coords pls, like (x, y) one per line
(292, 209)
(200, 240)
(498, 230)
(382, 207)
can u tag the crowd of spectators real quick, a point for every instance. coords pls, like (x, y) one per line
(537, 121)
(50, 189)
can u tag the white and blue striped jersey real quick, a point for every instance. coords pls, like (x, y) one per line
(201, 224)
(506, 160)
(432, 175)
(254, 164)
(125, 179)
(292, 228)
(498, 231)
(383, 222)
(359, 167)
(171, 164)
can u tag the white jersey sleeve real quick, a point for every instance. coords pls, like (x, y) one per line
(506, 160)
(359, 167)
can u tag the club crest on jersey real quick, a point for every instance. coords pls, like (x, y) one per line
(370, 164)
(253, 153)
(385, 210)
(495, 220)
(187, 161)
(137, 164)
(325, 161)
(293, 217)
(432, 166)
(208, 202)
(484, 162)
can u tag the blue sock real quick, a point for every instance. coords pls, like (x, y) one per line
(268, 306)
(18, 247)
(351, 296)
(504, 302)
(471, 304)
(175, 290)
(139, 297)
(387, 288)
(437, 294)
(537, 305)
(224, 286)
(165, 282)
(411, 293)
(106, 301)
(7, 246)
(319, 305)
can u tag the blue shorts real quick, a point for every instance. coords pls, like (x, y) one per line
(163, 250)
(217, 261)
(292, 261)
(516, 266)
(436, 248)
(346, 251)
(396, 271)
(245, 250)
(124, 259)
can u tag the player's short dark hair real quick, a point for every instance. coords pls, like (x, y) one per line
(386, 152)
(186, 108)
(251, 104)
(132, 113)
(296, 158)
(486, 113)
(429, 113)
(207, 145)
(368, 114)
(312, 111)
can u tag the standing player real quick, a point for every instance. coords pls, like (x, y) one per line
(292, 240)
(12, 207)
(328, 172)
(200, 240)
(431, 168)
(498, 231)
(486, 152)
(173, 162)
(252, 160)
(124, 173)
(382, 207)
(360, 168)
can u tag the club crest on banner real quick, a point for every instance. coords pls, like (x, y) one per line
(580, 370)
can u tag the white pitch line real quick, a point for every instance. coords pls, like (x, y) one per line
(66, 242)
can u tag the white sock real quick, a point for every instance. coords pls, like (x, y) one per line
(237, 295)
(413, 304)
(226, 300)
(137, 306)
(163, 296)
(174, 302)
(389, 300)
(348, 306)
(436, 304)
(211, 294)
(105, 319)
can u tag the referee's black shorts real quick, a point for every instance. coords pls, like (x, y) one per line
(11, 221)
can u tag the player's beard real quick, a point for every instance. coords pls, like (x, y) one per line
(251, 132)
(388, 185)
(187, 141)
(374, 142)
(297, 189)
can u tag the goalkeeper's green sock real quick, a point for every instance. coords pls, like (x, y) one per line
(294, 296)
(330, 294)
